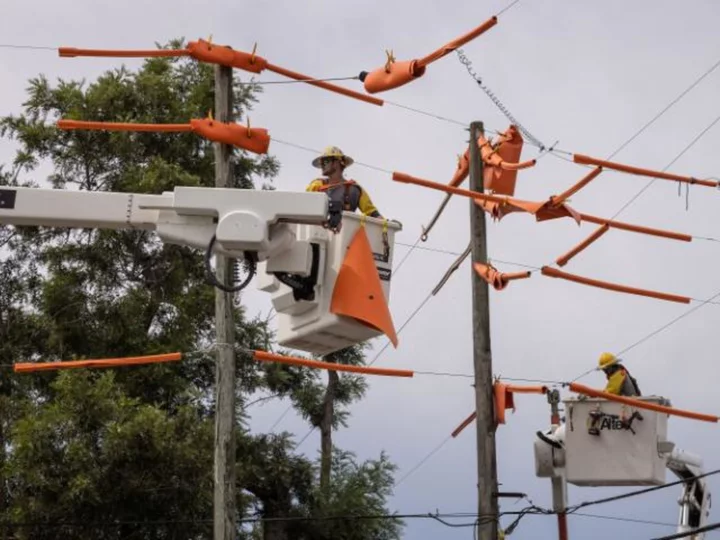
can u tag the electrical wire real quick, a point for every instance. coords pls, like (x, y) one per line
(693, 532)
(639, 492)
(423, 460)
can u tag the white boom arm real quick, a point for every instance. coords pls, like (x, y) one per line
(240, 220)
(695, 500)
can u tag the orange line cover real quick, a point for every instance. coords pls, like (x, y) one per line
(223, 55)
(256, 140)
(366, 370)
(552, 272)
(582, 389)
(587, 160)
(102, 363)
(503, 399)
(395, 74)
(497, 279)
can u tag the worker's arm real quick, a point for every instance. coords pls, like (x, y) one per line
(366, 205)
(615, 382)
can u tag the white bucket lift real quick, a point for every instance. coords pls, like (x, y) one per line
(610, 444)
(309, 323)
(605, 443)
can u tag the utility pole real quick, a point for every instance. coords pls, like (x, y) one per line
(559, 489)
(482, 358)
(224, 469)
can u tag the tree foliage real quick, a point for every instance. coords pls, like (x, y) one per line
(128, 453)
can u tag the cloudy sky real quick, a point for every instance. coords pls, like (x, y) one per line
(588, 75)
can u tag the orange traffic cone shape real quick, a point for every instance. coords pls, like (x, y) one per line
(358, 293)
(254, 140)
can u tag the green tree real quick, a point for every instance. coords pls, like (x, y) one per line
(128, 452)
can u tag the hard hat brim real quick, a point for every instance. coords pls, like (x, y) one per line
(316, 162)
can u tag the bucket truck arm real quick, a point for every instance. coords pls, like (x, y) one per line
(242, 224)
(329, 285)
(695, 500)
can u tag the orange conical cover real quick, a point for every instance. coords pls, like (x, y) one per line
(358, 293)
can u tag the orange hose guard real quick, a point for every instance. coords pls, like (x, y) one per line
(552, 272)
(587, 160)
(502, 400)
(577, 187)
(395, 74)
(562, 261)
(502, 160)
(223, 55)
(637, 228)
(28, 367)
(365, 370)
(254, 140)
(358, 293)
(497, 279)
(586, 390)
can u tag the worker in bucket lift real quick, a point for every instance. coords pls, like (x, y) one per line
(619, 380)
(344, 195)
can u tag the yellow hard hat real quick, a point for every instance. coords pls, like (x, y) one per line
(335, 152)
(606, 360)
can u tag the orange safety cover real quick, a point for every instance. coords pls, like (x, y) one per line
(503, 400)
(503, 161)
(225, 56)
(563, 260)
(27, 367)
(254, 140)
(586, 390)
(396, 74)
(358, 292)
(462, 170)
(552, 272)
(72, 52)
(331, 366)
(542, 211)
(587, 160)
(498, 280)
(121, 126)
(458, 42)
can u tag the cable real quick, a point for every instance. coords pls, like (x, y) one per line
(627, 519)
(651, 182)
(693, 532)
(423, 460)
(407, 321)
(37, 47)
(614, 498)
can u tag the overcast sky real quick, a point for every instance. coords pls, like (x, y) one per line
(586, 74)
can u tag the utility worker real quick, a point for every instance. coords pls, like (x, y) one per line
(619, 380)
(345, 195)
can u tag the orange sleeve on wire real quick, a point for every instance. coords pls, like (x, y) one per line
(72, 52)
(577, 187)
(366, 370)
(222, 55)
(497, 279)
(562, 261)
(121, 126)
(322, 84)
(407, 179)
(587, 160)
(457, 43)
(637, 228)
(465, 423)
(103, 363)
(517, 389)
(586, 390)
(552, 272)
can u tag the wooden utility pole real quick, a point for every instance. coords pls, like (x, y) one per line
(224, 470)
(484, 402)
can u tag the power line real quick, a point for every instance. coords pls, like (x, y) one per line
(684, 150)
(423, 460)
(693, 532)
(639, 492)
(36, 47)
